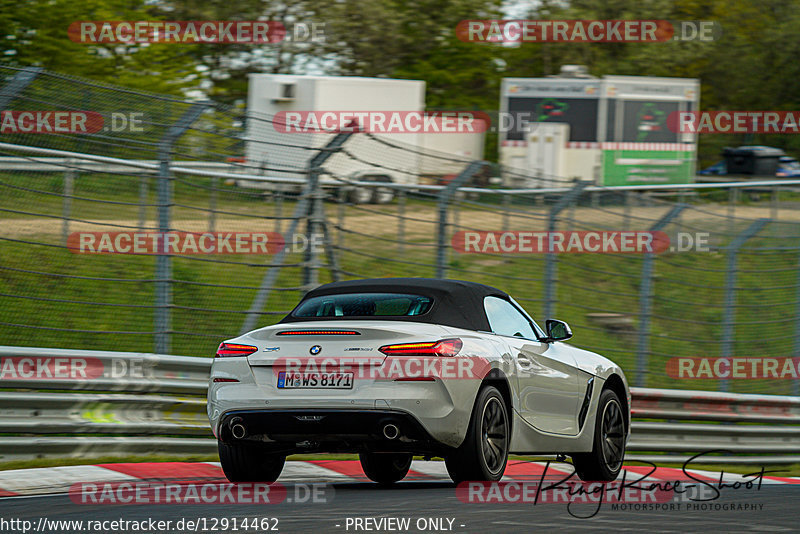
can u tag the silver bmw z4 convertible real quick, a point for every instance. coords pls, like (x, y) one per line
(397, 367)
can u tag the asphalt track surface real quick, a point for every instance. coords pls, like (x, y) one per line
(343, 500)
(437, 499)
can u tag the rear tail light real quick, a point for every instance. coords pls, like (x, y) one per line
(445, 347)
(233, 349)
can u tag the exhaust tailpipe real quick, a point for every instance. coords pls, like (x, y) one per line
(238, 431)
(390, 431)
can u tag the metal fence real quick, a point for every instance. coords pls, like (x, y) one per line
(736, 297)
(117, 404)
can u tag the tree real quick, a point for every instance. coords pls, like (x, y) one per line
(35, 34)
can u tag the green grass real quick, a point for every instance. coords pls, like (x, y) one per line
(687, 307)
(591, 284)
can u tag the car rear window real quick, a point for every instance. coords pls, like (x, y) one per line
(364, 305)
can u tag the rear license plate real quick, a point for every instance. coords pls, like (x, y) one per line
(290, 380)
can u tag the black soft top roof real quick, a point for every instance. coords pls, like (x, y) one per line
(455, 303)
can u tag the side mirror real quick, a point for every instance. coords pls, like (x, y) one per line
(557, 331)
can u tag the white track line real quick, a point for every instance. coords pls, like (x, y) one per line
(434, 469)
(307, 471)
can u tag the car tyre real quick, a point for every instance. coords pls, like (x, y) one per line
(248, 463)
(484, 453)
(608, 451)
(385, 468)
(360, 195)
(382, 195)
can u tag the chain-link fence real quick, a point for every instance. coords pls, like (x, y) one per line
(716, 307)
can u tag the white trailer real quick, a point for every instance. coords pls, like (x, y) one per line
(401, 159)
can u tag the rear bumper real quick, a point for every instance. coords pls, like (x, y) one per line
(442, 408)
(330, 430)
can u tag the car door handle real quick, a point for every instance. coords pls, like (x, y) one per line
(524, 362)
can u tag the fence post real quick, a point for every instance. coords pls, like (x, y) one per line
(401, 221)
(506, 211)
(69, 188)
(646, 300)
(317, 225)
(327, 240)
(796, 381)
(340, 217)
(729, 311)
(143, 192)
(212, 207)
(626, 223)
(445, 195)
(775, 202)
(314, 227)
(682, 201)
(278, 211)
(682, 194)
(570, 216)
(310, 207)
(455, 220)
(163, 314)
(733, 197)
(550, 258)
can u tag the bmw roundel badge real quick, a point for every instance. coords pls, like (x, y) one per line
(316, 349)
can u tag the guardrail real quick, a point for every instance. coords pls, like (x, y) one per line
(55, 160)
(125, 403)
(754, 429)
(141, 166)
(61, 369)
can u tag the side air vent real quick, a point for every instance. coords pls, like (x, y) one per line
(585, 406)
